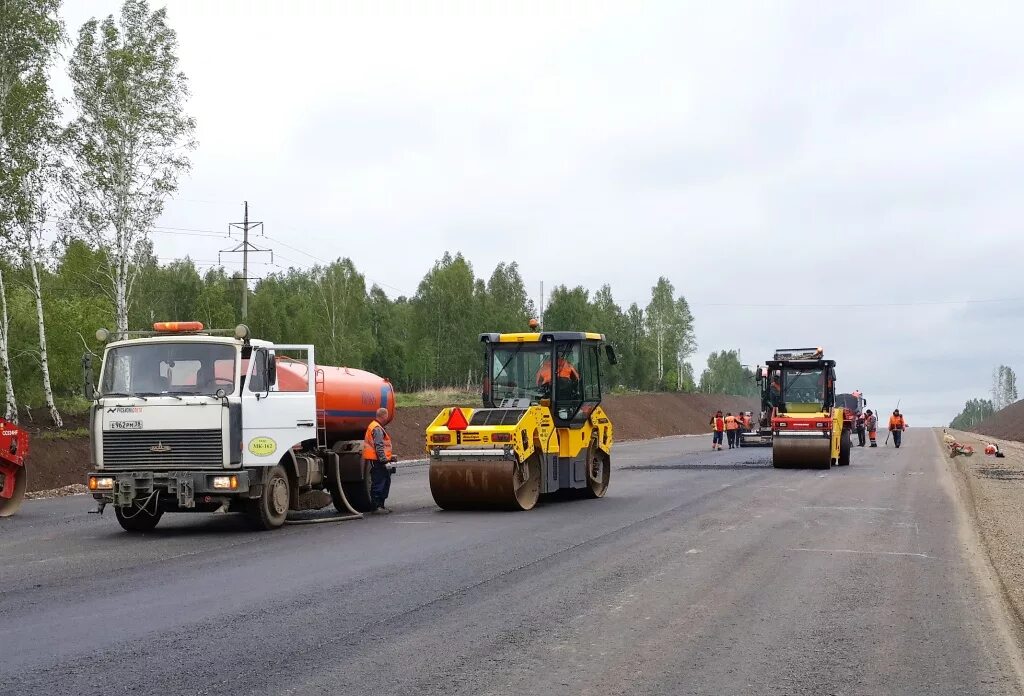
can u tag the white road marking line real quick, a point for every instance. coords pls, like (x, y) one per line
(870, 553)
(843, 507)
(695, 551)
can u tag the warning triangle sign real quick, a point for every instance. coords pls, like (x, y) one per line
(457, 420)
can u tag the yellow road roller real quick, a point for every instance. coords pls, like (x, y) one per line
(807, 428)
(541, 428)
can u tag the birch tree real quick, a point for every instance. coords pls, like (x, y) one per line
(30, 34)
(128, 145)
(671, 328)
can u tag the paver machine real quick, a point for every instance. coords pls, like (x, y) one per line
(807, 428)
(541, 428)
(13, 479)
(760, 432)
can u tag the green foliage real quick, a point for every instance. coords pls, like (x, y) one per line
(975, 411)
(427, 342)
(726, 375)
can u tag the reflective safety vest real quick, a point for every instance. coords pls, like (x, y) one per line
(896, 423)
(565, 371)
(746, 422)
(730, 423)
(871, 422)
(369, 451)
(719, 423)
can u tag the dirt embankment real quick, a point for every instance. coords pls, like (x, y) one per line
(1007, 424)
(57, 460)
(994, 492)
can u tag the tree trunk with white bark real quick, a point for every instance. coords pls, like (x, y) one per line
(11, 406)
(44, 361)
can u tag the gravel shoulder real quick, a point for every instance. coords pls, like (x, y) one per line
(992, 490)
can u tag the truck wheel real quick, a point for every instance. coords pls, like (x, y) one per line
(270, 509)
(132, 519)
(845, 445)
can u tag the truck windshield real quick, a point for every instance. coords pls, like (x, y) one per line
(168, 368)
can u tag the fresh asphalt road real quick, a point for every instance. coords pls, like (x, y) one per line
(701, 573)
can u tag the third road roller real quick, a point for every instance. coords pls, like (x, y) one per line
(541, 428)
(807, 427)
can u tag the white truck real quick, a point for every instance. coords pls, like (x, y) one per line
(190, 420)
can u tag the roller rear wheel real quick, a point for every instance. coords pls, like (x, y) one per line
(599, 471)
(845, 445)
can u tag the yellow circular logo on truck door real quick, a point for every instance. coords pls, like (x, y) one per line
(262, 446)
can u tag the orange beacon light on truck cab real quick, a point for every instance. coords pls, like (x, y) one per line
(177, 326)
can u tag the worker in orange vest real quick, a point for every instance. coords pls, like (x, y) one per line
(565, 371)
(378, 454)
(732, 425)
(717, 428)
(746, 419)
(871, 424)
(896, 426)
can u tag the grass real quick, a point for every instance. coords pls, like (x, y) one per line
(438, 397)
(67, 434)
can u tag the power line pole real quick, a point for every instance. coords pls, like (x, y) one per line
(540, 319)
(244, 248)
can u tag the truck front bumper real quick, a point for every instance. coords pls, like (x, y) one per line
(123, 488)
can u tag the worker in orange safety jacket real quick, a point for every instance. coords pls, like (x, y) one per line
(732, 425)
(717, 428)
(565, 371)
(378, 453)
(896, 426)
(871, 424)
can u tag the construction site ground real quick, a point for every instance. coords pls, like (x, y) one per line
(60, 458)
(993, 491)
(701, 573)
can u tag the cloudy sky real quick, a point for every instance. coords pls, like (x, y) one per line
(847, 175)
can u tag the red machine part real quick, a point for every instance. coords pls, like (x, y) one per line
(13, 480)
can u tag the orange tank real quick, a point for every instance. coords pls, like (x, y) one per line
(349, 396)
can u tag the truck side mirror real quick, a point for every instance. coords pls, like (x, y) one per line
(89, 389)
(610, 352)
(271, 370)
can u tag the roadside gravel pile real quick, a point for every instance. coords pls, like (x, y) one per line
(995, 488)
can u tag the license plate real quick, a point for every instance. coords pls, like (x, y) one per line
(125, 425)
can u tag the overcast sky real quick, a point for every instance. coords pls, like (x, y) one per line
(754, 153)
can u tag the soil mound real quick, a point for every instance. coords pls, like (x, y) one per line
(1007, 424)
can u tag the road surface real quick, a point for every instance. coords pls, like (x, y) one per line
(701, 573)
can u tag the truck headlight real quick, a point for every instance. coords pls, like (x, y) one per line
(225, 482)
(101, 483)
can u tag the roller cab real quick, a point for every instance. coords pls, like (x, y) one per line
(541, 428)
(807, 428)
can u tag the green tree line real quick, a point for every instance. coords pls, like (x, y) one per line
(427, 340)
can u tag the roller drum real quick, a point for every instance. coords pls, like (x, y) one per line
(485, 483)
(801, 452)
